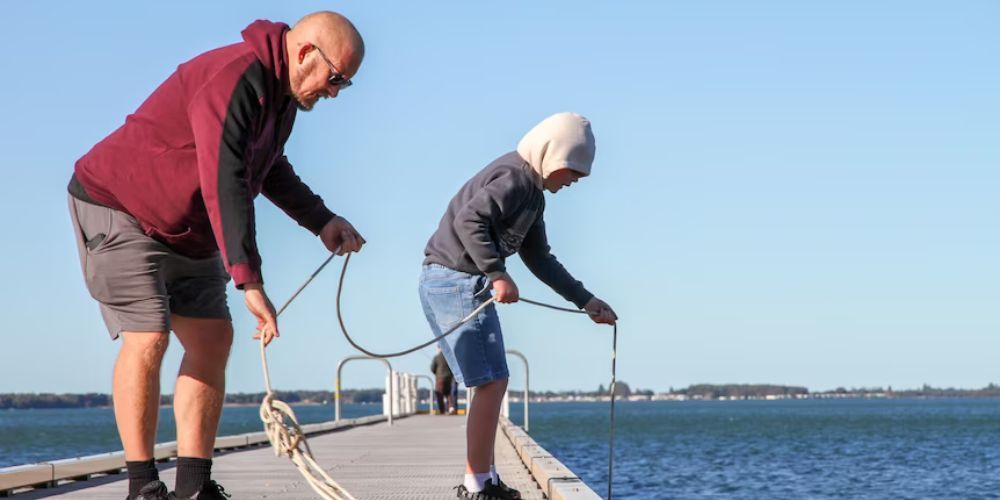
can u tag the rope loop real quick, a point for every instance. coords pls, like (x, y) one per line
(286, 436)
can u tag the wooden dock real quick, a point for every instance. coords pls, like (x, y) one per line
(418, 457)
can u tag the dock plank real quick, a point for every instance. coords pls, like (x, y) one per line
(420, 457)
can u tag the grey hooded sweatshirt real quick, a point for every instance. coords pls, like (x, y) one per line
(499, 211)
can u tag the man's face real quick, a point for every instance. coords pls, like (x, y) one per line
(316, 77)
(560, 179)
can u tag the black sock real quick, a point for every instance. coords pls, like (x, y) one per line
(140, 473)
(192, 473)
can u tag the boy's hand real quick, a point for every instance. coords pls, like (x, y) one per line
(600, 311)
(504, 290)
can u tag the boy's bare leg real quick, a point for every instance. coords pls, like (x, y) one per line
(481, 430)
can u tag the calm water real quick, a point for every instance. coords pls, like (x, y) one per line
(28, 436)
(945, 448)
(948, 448)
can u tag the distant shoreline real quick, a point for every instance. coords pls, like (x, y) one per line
(699, 392)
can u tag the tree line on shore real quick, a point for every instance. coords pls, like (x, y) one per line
(97, 400)
(374, 396)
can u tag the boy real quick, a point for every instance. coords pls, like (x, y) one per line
(495, 214)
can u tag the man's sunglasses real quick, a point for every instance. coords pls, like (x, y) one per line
(337, 79)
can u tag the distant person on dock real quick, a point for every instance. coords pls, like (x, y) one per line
(444, 383)
(163, 210)
(495, 214)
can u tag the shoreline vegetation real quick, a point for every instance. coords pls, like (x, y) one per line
(697, 392)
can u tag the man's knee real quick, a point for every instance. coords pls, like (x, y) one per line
(205, 341)
(149, 345)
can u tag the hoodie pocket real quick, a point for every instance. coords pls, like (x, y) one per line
(168, 239)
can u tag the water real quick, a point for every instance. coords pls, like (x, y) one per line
(945, 448)
(848, 448)
(28, 436)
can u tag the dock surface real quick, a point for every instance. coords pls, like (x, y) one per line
(418, 457)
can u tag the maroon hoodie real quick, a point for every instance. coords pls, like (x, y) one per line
(190, 161)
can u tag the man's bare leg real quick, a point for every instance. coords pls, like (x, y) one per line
(198, 397)
(201, 382)
(136, 391)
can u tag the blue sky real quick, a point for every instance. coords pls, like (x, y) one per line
(784, 192)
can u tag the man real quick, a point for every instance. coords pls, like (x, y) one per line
(444, 383)
(497, 213)
(164, 216)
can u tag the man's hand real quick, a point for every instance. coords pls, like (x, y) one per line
(340, 237)
(600, 311)
(262, 309)
(504, 289)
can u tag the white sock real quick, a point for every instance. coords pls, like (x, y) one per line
(493, 474)
(476, 482)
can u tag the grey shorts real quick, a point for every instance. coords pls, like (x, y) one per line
(138, 281)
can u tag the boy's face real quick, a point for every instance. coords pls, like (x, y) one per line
(560, 179)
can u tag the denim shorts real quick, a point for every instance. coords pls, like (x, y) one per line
(475, 352)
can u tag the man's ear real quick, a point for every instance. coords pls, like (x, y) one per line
(305, 49)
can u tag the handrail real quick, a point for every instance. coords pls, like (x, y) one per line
(527, 387)
(430, 395)
(336, 384)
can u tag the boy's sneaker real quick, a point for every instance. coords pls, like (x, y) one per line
(209, 491)
(516, 495)
(154, 490)
(490, 492)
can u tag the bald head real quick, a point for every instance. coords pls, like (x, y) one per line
(334, 35)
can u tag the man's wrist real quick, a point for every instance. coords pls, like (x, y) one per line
(253, 286)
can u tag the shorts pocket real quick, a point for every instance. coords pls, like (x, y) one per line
(447, 304)
(96, 225)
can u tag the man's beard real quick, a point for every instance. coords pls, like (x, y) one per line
(303, 106)
(296, 81)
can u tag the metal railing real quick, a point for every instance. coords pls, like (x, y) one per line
(527, 386)
(430, 394)
(336, 384)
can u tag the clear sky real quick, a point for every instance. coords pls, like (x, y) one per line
(785, 192)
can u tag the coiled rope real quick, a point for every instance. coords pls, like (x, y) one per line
(284, 432)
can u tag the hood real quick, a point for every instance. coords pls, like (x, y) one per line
(563, 140)
(267, 39)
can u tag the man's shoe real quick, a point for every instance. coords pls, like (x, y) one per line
(154, 490)
(490, 492)
(209, 491)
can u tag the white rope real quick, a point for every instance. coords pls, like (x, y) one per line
(287, 438)
(282, 427)
(283, 430)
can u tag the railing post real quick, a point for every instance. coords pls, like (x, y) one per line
(404, 393)
(430, 393)
(411, 394)
(336, 385)
(527, 385)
